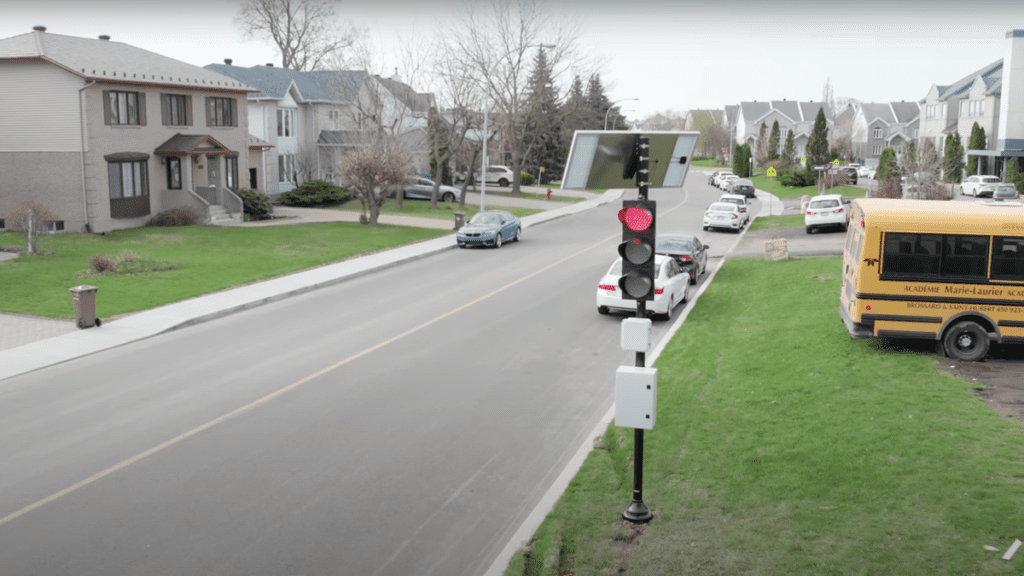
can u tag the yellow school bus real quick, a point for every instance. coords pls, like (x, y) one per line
(946, 271)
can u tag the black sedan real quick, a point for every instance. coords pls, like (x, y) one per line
(687, 250)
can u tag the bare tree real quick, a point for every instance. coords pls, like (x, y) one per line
(372, 172)
(31, 218)
(305, 164)
(306, 32)
(497, 44)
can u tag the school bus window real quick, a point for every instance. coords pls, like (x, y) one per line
(911, 254)
(1008, 259)
(965, 256)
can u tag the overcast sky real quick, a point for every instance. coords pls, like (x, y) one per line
(672, 55)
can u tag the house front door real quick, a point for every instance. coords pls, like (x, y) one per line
(211, 171)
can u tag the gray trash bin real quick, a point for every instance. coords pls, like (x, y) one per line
(460, 219)
(84, 298)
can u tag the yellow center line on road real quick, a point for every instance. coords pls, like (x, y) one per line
(263, 400)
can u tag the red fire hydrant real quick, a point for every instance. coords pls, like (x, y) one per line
(549, 193)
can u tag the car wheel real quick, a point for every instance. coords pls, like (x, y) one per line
(448, 197)
(667, 316)
(693, 276)
(686, 295)
(602, 309)
(962, 191)
(705, 228)
(966, 341)
(503, 182)
(809, 229)
(843, 227)
(519, 235)
(497, 240)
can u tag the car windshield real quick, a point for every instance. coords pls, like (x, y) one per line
(482, 218)
(673, 245)
(722, 207)
(824, 204)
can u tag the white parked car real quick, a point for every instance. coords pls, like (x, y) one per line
(741, 201)
(867, 172)
(827, 210)
(500, 175)
(671, 288)
(721, 176)
(979, 185)
(723, 183)
(723, 215)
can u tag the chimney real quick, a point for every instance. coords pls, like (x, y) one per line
(104, 37)
(39, 28)
(227, 61)
(1011, 102)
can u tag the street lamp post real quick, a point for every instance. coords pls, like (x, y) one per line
(487, 104)
(610, 108)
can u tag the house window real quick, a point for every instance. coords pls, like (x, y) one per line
(231, 172)
(176, 109)
(877, 132)
(3, 226)
(128, 178)
(123, 108)
(876, 150)
(963, 107)
(284, 123)
(173, 173)
(334, 116)
(981, 107)
(899, 150)
(220, 112)
(943, 111)
(285, 168)
(53, 226)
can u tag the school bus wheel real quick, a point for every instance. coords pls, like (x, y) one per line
(966, 341)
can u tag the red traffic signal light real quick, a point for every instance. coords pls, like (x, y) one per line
(637, 249)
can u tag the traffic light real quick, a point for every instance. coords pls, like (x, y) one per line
(637, 249)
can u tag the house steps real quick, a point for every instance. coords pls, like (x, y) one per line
(219, 216)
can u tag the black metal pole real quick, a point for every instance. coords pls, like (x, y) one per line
(637, 512)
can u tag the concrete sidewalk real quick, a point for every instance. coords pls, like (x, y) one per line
(28, 343)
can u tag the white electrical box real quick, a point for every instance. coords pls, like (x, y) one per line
(636, 396)
(636, 334)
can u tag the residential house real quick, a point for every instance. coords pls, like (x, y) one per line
(697, 120)
(312, 118)
(877, 126)
(793, 116)
(957, 106)
(105, 135)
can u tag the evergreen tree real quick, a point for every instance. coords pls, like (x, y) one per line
(953, 158)
(909, 161)
(788, 150)
(887, 165)
(542, 130)
(746, 161)
(737, 160)
(773, 142)
(761, 148)
(976, 142)
(598, 104)
(817, 146)
(1013, 173)
(574, 110)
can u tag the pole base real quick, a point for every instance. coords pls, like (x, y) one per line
(637, 513)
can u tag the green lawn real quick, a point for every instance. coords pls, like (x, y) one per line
(762, 182)
(781, 446)
(533, 196)
(772, 222)
(710, 163)
(444, 211)
(203, 259)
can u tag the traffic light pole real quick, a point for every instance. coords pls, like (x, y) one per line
(637, 513)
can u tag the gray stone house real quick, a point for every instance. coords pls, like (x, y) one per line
(793, 116)
(877, 126)
(106, 135)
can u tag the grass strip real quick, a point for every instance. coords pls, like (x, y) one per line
(784, 447)
(773, 222)
(772, 185)
(196, 260)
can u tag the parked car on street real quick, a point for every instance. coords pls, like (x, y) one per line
(979, 186)
(490, 228)
(419, 188)
(671, 288)
(867, 172)
(717, 183)
(500, 175)
(713, 179)
(851, 173)
(723, 183)
(1005, 191)
(744, 187)
(827, 210)
(723, 215)
(741, 201)
(689, 252)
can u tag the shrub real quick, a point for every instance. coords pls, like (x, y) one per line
(526, 179)
(256, 204)
(832, 180)
(174, 217)
(314, 193)
(796, 178)
(100, 264)
(889, 188)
